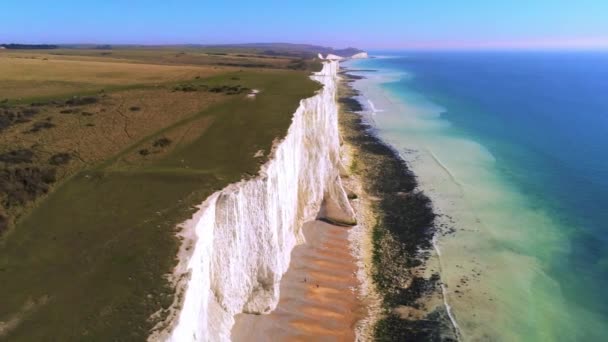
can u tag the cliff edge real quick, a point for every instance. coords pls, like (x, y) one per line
(238, 245)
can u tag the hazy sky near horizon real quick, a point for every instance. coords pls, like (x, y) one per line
(365, 24)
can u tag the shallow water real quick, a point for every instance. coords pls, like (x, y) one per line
(510, 147)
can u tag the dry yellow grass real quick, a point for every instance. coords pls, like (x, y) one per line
(98, 131)
(24, 76)
(159, 56)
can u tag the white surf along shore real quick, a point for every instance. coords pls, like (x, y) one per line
(237, 247)
(487, 285)
(375, 101)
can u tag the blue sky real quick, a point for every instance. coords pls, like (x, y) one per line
(365, 24)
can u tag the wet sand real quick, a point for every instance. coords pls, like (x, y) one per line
(318, 298)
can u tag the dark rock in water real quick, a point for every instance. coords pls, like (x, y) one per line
(435, 327)
(419, 288)
(402, 237)
(17, 156)
(350, 104)
(352, 77)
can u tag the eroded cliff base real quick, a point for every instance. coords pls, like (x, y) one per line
(318, 293)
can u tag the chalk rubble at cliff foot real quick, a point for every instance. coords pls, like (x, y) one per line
(240, 241)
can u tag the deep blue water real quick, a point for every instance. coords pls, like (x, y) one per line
(544, 117)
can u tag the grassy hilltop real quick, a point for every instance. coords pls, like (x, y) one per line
(102, 153)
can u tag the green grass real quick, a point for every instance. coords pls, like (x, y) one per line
(24, 75)
(91, 257)
(192, 56)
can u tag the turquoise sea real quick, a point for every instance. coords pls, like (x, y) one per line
(512, 147)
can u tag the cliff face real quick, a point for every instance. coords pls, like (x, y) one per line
(242, 237)
(360, 55)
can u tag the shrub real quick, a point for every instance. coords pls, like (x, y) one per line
(40, 126)
(17, 156)
(81, 101)
(185, 88)
(162, 142)
(3, 223)
(29, 112)
(60, 159)
(22, 185)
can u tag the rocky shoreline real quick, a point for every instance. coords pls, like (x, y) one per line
(401, 268)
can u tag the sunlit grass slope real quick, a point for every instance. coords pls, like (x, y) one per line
(89, 260)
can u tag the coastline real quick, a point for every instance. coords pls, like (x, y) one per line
(347, 283)
(509, 230)
(413, 297)
(242, 239)
(459, 177)
(373, 278)
(326, 292)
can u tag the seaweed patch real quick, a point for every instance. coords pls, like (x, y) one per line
(402, 237)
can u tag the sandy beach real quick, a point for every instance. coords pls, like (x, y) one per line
(318, 298)
(324, 295)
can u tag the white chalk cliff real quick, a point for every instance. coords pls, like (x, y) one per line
(333, 57)
(360, 55)
(242, 237)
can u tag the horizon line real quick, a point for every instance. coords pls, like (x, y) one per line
(435, 46)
